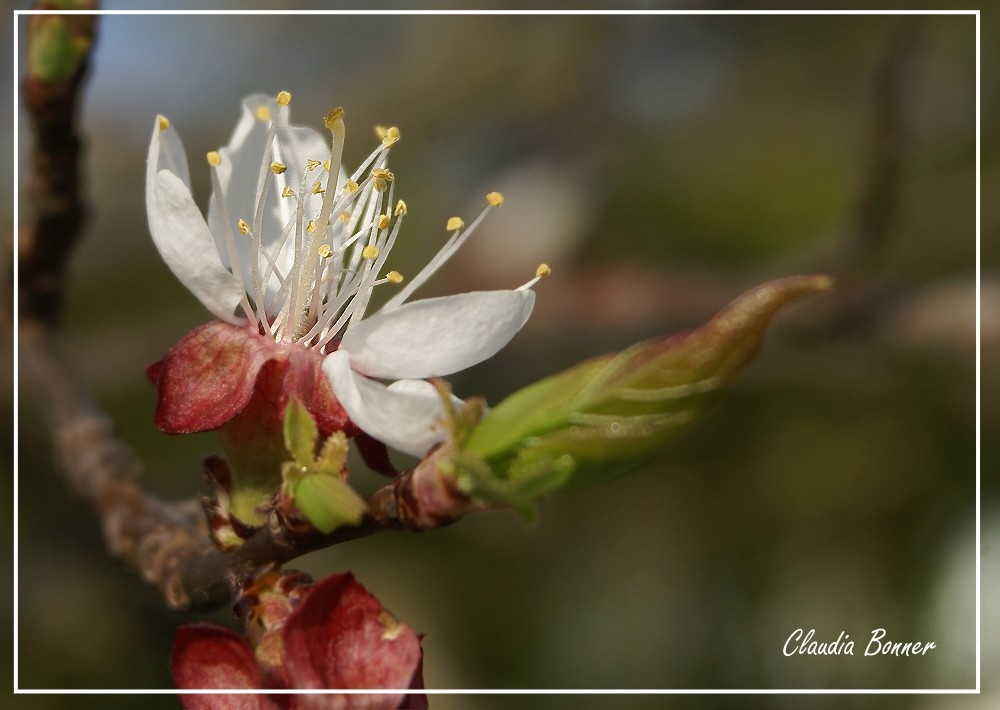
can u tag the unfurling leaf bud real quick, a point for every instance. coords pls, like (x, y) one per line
(602, 418)
(317, 485)
(57, 45)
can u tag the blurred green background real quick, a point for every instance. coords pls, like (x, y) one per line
(661, 165)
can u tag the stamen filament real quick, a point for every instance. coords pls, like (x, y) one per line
(313, 278)
(264, 178)
(293, 303)
(446, 252)
(353, 289)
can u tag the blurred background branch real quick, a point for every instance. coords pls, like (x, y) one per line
(138, 529)
(59, 55)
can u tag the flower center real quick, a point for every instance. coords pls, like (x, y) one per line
(310, 281)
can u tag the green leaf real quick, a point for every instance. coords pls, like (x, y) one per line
(330, 461)
(528, 479)
(329, 502)
(300, 433)
(610, 414)
(532, 411)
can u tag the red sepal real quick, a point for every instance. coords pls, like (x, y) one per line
(208, 377)
(340, 637)
(416, 701)
(206, 656)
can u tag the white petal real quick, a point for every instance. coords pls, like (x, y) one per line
(437, 336)
(240, 171)
(166, 152)
(178, 229)
(407, 415)
(182, 237)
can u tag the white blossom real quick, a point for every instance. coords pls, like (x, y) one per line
(293, 247)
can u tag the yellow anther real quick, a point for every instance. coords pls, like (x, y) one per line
(351, 186)
(400, 208)
(243, 226)
(213, 158)
(317, 188)
(345, 216)
(313, 164)
(454, 223)
(331, 118)
(391, 136)
(287, 192)
(311, 226)
(284, 98)
(381, 176)
(383, 221)
(263, 113)
(326, 165)
(278, 168)
(325, 251)
(369, 252)
(543, 271)
(394, 277)
(381, 132)
(163, 122)
(495, 199)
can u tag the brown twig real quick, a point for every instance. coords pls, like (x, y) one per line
(139, 529)
(156, 539)
(54, 183)
(409, 502)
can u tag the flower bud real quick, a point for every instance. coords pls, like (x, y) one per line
(333, 634)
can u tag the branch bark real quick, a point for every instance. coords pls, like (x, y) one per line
(156, 539)
(54, 182)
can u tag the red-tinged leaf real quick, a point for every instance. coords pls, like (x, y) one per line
(340, 637)
(208, 377)
(206, 656)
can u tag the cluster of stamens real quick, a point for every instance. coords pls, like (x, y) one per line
(309, 283)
